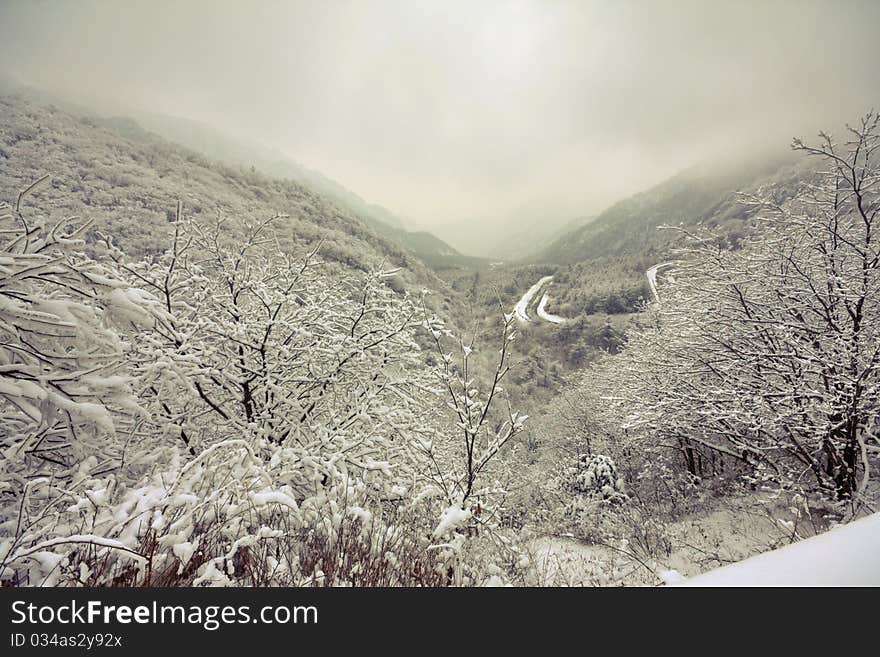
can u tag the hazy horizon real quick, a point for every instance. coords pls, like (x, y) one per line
(460, 116)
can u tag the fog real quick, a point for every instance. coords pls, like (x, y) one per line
(463, 116)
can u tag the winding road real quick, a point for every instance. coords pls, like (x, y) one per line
(548, 317)
(652, 277)
(521, 309)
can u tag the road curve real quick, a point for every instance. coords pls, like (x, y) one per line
(521, 309)
(652, 277)
(548, 317)
(522, 306)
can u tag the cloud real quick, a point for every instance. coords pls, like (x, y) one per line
(446, 111)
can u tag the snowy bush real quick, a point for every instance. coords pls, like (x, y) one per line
(595, 476)
(591, 482)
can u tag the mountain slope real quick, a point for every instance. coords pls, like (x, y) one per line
(217, 146)
(701, 194)
(130, 185)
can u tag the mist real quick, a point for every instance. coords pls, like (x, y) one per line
(468, 118)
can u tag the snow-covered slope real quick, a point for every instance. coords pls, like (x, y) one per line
(848, 555)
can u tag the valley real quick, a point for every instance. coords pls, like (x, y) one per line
(267, 336)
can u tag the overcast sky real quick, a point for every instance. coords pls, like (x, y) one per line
(449, 111)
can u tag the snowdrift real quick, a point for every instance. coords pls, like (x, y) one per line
(848, 555)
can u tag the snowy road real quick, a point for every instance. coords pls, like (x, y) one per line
(548, 317)
(652, 277)
(521, 309)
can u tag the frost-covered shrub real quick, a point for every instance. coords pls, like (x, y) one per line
(595, 476)
(213, 521)
(63, 387)
(583, 495)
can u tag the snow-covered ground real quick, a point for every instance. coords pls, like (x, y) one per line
(521, 309)
(548, 317)
(848, 555)
(736, 544)
(560, 561)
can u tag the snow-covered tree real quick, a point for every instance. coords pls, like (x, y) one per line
(769, 356)
(464, 465)
(68, 408)
(322, 374)
(226, 413)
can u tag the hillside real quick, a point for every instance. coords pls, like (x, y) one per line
(218, 146)
(129, 181)
(215, 145)
(705, 194)
(599, 264)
